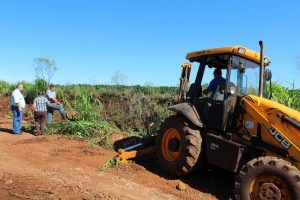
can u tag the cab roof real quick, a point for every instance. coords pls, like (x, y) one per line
(234, 50)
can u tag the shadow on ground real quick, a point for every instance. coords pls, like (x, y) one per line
(6, 130)
(216, 182)
(9, 131)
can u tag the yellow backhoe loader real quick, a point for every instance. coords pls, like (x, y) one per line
(236, 127)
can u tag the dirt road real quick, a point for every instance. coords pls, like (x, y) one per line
(55, 167)
(61, 168)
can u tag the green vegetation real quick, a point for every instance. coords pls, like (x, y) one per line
(5, 88)
(288, 97)
(102, 110)
(31, 90)
(112, 163)
(97, 132)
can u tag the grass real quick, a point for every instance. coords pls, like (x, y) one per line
(5, 87)
(285, 96)
(97, 132)
(103, 110)
(112, 163)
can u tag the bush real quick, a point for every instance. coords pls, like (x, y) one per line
(6, 88)
(87, 107)
(97, 132)
(288, 97)
(31, 90)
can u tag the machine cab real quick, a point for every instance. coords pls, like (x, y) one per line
(215, 100)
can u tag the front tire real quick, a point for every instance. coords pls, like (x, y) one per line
(268, 178)
(178, 146)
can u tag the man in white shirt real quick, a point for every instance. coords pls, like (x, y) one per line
(54, 104)
(17, 106)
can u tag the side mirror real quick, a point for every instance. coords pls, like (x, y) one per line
(268, 77)
(268, 74)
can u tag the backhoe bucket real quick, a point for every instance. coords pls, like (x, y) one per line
(132, 149)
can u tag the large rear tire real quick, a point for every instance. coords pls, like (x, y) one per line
(267, 178)
(178, 146)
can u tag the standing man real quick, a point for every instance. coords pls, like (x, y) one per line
(40, 112)
(54, 104)
(17, 107)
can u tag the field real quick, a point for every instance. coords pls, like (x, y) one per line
(71, 161)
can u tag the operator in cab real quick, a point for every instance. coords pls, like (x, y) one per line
(213, 85)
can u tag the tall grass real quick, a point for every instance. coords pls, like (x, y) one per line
(285, 96)
(31, 90)
(88, 124)
(97, 132)
(106, 109)
(6, 88)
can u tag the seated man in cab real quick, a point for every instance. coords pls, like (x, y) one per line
(213, 85)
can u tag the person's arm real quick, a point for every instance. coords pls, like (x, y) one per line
(52, 97)
(17, 101)
(54, 100)
(19, 107)
(47, 101)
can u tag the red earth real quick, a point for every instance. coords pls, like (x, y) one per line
(57, 167)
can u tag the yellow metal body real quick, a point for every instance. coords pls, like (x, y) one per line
(125, 155)
(234, 50)
(258, 112)
(184, 80)
(274, 130)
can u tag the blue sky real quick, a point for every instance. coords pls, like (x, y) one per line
(145, 40)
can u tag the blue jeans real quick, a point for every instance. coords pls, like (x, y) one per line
(53, 106)
(17, 119)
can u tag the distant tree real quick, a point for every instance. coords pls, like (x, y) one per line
(44, 68)
(118, 78)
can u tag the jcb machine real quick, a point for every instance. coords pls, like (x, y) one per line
(235, 128)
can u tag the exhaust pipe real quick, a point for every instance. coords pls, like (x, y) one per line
(262, 69)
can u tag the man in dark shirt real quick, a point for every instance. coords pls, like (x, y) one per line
(213, 85)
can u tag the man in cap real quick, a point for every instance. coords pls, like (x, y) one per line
(54, 104)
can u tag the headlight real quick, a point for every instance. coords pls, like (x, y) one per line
(241, 50)
(267, 61)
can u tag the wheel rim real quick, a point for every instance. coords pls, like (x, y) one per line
(269, 187)
(170, 139)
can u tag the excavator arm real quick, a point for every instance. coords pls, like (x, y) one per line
(184, 81)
